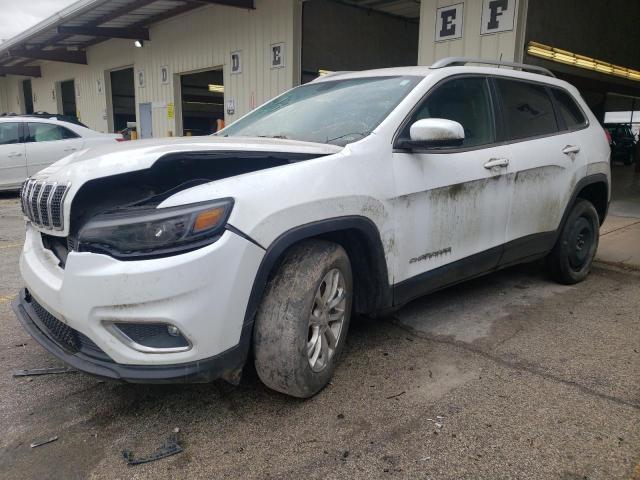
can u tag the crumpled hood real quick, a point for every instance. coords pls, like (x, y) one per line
(107, 160)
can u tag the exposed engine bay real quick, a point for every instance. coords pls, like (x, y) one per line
(145, 189)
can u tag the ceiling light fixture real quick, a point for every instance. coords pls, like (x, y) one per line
(569, 58)
(216, 88)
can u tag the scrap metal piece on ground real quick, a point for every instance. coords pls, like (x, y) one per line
(39, 443)
(168, 448)
(43, 371)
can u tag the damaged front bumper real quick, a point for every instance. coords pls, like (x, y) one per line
(90, 359)
(204, 294)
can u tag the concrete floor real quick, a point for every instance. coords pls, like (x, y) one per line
(620, 235)
(533, 380)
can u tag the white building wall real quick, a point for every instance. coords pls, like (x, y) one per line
(204, 39)
(12, 91)
(200, 39)
(4, 101)
(504, 45)
(91, 104)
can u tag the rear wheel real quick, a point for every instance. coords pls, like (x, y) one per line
(303, 319)
(571, 258)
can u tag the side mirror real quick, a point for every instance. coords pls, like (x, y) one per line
(434, 132)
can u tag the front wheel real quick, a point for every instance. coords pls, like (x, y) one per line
(572, 256)
(303, 319)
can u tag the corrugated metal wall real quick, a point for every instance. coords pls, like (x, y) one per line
(4, 102)
(205, 39)
(472, 44)
(201, 39)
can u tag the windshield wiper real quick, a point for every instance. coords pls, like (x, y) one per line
(281, 137)
(346, 135)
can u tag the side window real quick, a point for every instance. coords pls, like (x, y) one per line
(67, 134)
(464, 100)
(568, 109)
(9, 133)
(46, 132)
(527, 109)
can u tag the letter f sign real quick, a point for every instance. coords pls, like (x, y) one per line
(497, 8)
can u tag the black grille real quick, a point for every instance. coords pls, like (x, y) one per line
(34, 202)
(42, 203)
(63, 334)
(67, 337)
(56, 206)
(23, 196)
(43, 208)
(154, 335)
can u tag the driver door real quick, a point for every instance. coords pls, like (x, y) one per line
(451, 204)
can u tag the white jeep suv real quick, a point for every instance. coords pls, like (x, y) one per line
(169, 260)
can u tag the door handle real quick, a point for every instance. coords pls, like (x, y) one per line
(496, 163)
(70, 149)
(569, 149)
(14, 155)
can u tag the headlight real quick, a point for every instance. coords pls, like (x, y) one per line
(155, 232)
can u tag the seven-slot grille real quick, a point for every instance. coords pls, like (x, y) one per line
(42, 203)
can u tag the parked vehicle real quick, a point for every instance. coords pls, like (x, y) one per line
(169, 260)
(29, 143)
(623, 142)
(56, 116)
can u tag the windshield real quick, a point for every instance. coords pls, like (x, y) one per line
(336, 112)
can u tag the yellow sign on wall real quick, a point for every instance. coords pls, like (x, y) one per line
(170, 111)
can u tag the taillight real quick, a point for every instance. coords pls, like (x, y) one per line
(608, 135)
(121, 139)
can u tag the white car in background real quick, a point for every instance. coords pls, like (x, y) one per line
(29, 144)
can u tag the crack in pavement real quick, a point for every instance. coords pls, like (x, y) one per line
(620, 228)
(518, 366)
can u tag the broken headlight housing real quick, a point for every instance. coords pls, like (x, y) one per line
(147, 233)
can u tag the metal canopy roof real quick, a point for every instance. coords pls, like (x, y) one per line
(66, 35)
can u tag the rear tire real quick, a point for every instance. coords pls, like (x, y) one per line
(572, 256)
(302, 322)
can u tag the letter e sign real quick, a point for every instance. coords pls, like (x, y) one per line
(498, 16)
(277, 55)
(449, 22)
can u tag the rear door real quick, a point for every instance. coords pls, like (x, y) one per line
(452, 203)
(13, 162)
(48, 143)
(544, 157)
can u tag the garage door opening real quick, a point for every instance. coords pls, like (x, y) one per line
(67, 98)
(123, 99)
(28, 96)
(348, 36)
(202, 97)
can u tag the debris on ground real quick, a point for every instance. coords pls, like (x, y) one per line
(43, 371)
(168, 448)
(396, 395)
(39, 443)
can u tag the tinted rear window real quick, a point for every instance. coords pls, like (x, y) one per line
(9, 133)
(568, 110)
(527, 109)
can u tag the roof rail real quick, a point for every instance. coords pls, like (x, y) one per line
(461, 61)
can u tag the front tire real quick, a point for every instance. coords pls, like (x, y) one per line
(572, 256)
(303, 319)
